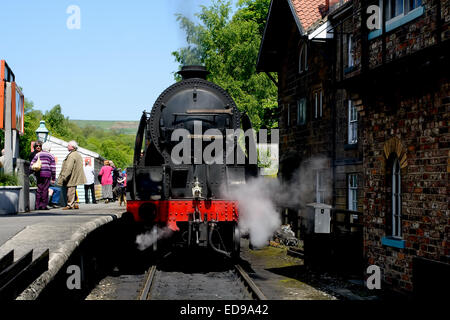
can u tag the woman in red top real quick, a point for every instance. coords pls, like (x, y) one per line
(106, 181)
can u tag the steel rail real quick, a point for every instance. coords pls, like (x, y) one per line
(252, 288)
(248, 282)
(148, 283)
(300, 254)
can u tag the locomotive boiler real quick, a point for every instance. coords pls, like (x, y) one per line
(171, 185)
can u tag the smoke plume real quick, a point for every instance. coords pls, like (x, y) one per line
(146, 240)
(261, 199)
(260, 202)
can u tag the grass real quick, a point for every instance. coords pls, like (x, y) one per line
(275, 257)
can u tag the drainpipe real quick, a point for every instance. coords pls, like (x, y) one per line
(333, 116)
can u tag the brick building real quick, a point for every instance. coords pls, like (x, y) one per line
(314, 134)
(400, 84)
(383, 125)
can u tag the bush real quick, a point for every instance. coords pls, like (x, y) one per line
(8, 180)
(33, 181)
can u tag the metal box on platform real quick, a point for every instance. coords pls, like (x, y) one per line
(317, 218)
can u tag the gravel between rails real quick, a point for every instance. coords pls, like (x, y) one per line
(216, 285)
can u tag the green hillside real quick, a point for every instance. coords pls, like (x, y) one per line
(121, 127)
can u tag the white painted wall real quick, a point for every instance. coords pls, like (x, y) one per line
(59, 150)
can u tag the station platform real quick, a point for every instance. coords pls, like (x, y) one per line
(59, 231)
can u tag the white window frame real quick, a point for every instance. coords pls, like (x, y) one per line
(350, 58)
(303, 63)
(352, 192)
(320, 186)
(396, 200)
(318, 104)
(352, 123)
(301, 111)
(405, 7)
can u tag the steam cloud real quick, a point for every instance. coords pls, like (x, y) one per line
(258, 215)
(146, 240)
(260, 199)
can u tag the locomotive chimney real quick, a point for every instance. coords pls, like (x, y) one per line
(196, 71)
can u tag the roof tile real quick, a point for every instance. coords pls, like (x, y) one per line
(308, 11)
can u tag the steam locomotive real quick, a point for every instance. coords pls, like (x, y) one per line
(188, 197)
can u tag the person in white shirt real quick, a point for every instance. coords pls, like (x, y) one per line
(2, 158)
(90, 181)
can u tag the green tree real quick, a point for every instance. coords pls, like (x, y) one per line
(57, 123)
(31, 123)
(109, 144)
(229, 47)
(113, 150)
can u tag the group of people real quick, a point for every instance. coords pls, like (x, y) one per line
(113, 181)
(72, 174)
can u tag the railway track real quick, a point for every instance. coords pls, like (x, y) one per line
(252, 288)
(231, 284)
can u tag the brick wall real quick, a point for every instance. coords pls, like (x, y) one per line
(348, 159)
(403, 104)
(328, 135)
(428, 29)
(405, 94)
(419, 120)
(314, 137)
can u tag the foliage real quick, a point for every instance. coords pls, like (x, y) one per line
(55, 121)
(31, 123)
(33, 181)
(229, 47)
(125, 127)
(8, 180)
(110, 144)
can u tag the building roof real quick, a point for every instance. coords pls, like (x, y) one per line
(64, 144)
(305, 13)
(308, 11)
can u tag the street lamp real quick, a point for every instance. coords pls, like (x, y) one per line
(42, 132)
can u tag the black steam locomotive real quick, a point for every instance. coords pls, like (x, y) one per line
(171, 185)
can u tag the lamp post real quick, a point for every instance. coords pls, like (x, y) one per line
(42, 132)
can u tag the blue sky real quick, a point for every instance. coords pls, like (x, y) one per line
(112, 68)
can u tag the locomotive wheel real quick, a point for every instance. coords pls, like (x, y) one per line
(155, 238)
(236, 242)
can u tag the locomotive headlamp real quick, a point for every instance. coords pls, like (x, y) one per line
(197, 190)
